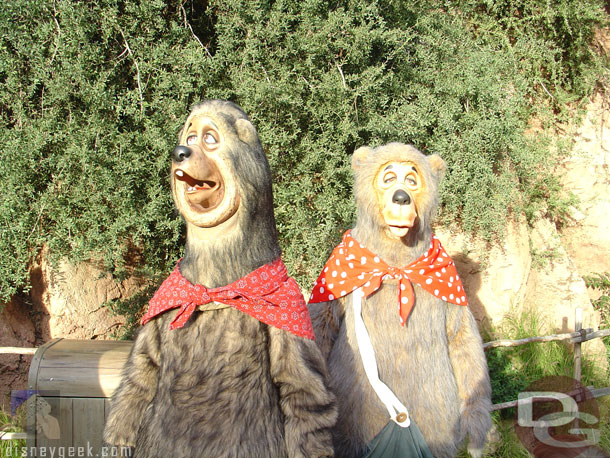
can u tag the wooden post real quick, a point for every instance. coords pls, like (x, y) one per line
(577, 345)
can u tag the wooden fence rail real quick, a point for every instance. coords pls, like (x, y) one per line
(17, 350)
(573, 337)
(12, 436)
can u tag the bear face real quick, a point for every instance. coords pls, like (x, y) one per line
(217, 163)
(405, 185)
(204, 195)
(397, 185)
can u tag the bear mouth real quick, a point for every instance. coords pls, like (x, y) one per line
(399, 231)
(202, 194)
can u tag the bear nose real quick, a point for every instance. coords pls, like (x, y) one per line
(181, 153)
(401, 197)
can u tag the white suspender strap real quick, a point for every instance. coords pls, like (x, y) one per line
(398, 412)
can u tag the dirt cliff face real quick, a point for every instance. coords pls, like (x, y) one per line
(586, 173)
(68, 299)
(16, 330)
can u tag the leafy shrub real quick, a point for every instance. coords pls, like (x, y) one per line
(601, 282)
(12, 424)
(92, 94)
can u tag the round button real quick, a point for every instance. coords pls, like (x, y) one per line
(401, 417)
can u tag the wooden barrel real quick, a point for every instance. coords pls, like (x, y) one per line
(71, 382)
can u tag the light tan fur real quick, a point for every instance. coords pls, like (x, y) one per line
(435, 364)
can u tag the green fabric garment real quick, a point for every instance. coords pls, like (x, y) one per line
(396, 442)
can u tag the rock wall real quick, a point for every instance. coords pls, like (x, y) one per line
(495, 278)
(69, 299)
(586, 173)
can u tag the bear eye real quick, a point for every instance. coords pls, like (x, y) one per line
(209, 139)
(389, 178)
(191, 139)
(411, 180)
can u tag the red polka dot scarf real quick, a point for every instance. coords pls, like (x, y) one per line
(352, 266)
(267, 294)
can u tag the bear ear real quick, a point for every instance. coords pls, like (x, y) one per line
(246, 131)
(359, 156)
(437, 165)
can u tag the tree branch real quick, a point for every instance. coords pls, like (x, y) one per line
(137, 70)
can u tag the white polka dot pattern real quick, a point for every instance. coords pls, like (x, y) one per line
(435, 272)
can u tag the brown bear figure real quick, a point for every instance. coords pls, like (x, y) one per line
(428, 349)
(229, 369)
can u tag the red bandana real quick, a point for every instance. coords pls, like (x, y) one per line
(351, 266)
(267, 294)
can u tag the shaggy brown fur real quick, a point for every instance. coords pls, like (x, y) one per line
(224, 385)
(435, 364)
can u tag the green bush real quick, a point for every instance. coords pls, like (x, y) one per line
(601, 282)
(92, 94)
(12, 424)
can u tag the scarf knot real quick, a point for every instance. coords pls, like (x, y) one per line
(205, 298)
(393, 272)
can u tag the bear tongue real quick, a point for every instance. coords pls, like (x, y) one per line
(205, 185)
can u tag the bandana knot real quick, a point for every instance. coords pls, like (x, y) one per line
(267, 294)
(352, 266)
(393, 272)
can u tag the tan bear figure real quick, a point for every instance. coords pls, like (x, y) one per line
(428, 350)
(225, 364)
